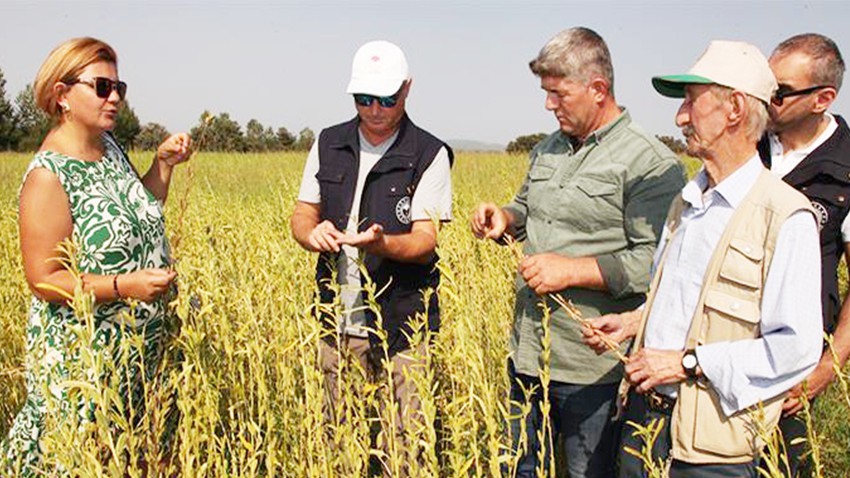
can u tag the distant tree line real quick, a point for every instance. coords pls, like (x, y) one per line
(23, 127)
(524, 144)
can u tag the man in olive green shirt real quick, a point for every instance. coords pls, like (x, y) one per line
(589, 214)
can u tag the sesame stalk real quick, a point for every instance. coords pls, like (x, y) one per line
(571, 310)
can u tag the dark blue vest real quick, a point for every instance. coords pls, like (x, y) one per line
(385, 200)
(824, 177)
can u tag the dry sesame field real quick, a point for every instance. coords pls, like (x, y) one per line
(240, 393)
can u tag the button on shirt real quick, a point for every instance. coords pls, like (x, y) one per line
(743, 372)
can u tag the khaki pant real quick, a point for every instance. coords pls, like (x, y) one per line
(404, 390)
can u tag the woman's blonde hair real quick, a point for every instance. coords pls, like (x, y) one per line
(63, 64)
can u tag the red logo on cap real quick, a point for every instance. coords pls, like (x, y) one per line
(376, 58)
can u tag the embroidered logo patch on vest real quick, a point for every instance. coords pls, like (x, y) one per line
(402, 210)
(823, 214)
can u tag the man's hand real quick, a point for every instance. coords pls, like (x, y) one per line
(546, 272)
(611, 327)
(816, 383)
(325, 237)
(650, 367)
(371, 239)
(489, 221)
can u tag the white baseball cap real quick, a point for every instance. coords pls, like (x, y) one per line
(733, 64)
(379, 68)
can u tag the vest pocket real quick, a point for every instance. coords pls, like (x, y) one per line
(743, 263)
(730, 437)
(730, 317)
(329, 175)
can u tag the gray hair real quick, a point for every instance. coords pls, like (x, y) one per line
(578, 54)
(828, 66)
(757, 115)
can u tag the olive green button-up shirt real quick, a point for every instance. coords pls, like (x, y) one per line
(607, 200)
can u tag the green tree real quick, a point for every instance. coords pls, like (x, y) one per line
(150, 136)
(218, 133)
(254, 136)
(32, 123)
(8, 132)
(675, 144)
(305, 140)
(270, 140)
(524, 144)
(285, 139)
(126, 126)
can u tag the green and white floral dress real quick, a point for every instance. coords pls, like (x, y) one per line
(119, 228)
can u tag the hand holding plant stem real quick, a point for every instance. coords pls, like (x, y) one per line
(571, 310)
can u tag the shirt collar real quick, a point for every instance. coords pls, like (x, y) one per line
(776, 145)
(733, 189)
(620, 122)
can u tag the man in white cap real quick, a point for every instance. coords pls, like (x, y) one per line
(373, 194)
(731, 320)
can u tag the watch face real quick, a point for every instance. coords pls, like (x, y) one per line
(689, 361)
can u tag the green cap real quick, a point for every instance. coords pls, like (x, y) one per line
(673, 86)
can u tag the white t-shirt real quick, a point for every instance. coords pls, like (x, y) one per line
(433, 197)
(782, 163)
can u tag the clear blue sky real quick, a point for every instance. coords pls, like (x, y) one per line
(286, 63)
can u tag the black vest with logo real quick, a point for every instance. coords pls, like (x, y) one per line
(385, 200)
(824, 177)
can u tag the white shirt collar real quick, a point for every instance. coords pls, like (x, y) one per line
(776, 149)
(732, 189)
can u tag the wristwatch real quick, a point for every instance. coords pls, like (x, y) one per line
(690, 363)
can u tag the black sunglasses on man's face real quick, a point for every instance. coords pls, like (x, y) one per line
(786, 92)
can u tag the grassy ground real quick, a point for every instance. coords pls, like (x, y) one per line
(244, 371)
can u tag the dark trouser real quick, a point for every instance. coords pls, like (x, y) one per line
(795, 436)
(580, 414)
(639, 411)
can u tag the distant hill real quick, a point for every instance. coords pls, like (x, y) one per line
(470, 145)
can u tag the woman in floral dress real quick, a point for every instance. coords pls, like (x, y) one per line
(81, 186)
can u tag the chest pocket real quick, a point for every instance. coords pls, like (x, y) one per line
(591, 205)
(732, 305)
(743, 264)
(335, 197)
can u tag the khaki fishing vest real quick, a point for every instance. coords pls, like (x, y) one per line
(729, 308)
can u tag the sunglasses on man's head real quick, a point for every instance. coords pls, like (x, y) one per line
(786, 92)
(384, 101)
(103, 87)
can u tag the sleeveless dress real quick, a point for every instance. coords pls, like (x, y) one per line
(119, 228)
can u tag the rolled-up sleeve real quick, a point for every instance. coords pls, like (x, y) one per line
(648, 198)
(518, 207)
(745, 372)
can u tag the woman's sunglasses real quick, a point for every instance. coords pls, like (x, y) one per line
(103, 87)
(384, 101)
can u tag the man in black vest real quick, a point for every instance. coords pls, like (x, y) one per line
(373, 194)
(810, 149)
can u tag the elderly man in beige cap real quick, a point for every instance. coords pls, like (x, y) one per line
(731, 320)
(371, 191)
